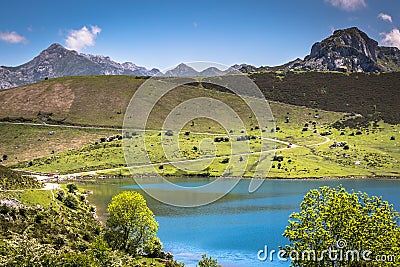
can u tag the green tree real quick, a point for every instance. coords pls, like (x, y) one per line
(72, 188)
(334, 219)
(131, 225)
(208, 262)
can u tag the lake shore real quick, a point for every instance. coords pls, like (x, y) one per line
(111, 177)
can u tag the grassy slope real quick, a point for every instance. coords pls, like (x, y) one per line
(101, 100)
(107, 109)
(378, 155)
(368, 94)
(76, 100)
(25, 142)
(12, 180)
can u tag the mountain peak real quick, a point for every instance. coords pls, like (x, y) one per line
(58, 61)
(351, 30)
(182, 70)
(56, 47)
(56, 50)
(349, 50)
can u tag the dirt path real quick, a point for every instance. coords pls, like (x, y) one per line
(288, 144)
(49, 186)
(327, 140)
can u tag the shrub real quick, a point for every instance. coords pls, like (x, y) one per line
(72, 188)
(154, 248)
(71, 202)
(225, 161)
(60, 195)
(277, 158)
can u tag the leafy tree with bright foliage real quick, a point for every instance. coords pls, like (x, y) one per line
(334, 219)
(208, 262)
(131, 226)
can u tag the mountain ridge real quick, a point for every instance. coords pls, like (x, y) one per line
(347, 50)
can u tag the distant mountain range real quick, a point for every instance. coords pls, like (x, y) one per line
(345, 50)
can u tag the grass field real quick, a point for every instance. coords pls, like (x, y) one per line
(25, 142)
(371, 151)
(32, 197)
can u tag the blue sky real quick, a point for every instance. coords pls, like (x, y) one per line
(164, 33)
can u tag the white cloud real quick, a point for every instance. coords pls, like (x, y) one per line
(348, 5)
(391, 38)
(79, 39)
(385, 17)
(12, 37)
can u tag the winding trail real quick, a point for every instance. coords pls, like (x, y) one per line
(51, 186)
(288, 146)
(327, 140)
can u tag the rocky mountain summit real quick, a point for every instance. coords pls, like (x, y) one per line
(348, 50)
(57, 61)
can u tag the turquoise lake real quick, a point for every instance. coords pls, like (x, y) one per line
(234, 228)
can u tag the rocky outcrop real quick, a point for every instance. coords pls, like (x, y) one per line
(349, 50)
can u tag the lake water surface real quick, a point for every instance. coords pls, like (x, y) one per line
(234, 228)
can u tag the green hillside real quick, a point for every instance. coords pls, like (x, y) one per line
(12, 180)
(102, 100)
(371, 138)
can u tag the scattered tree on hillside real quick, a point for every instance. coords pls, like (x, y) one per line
(72, 188)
